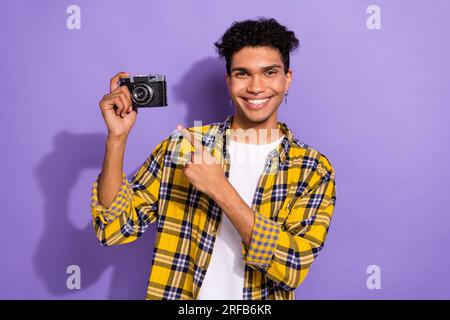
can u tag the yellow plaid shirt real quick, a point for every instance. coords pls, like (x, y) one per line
(293, 204)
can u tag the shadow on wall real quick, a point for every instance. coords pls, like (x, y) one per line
(63, 244)
(204, 92)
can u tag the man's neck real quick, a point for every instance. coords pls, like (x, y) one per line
(255, 133)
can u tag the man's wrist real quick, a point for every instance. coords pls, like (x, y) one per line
(116, 141)
(222, 192)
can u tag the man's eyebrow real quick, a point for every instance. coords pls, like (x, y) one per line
(272, 66)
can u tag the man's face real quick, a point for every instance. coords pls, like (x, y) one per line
(257, 82)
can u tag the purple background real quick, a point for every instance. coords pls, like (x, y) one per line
(374, 101)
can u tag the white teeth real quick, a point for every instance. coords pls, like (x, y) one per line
(259, 101)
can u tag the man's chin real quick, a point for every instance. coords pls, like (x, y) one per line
(256, 117)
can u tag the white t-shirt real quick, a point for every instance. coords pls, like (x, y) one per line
(224, 278)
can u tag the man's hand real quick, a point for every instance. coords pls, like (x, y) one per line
(203, 171)
(117, 110)
(207, 175)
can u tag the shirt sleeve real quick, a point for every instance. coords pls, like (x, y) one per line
(135, 205)
(284, 253)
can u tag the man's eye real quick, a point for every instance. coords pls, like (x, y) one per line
(242, 73)
(271, 72)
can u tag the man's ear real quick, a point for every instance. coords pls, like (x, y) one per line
(227, 79)
(288, 79)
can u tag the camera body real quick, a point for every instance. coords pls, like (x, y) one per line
(146, 90)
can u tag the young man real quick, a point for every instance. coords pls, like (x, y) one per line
(243, 213)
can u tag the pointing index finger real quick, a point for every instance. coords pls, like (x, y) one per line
(196, 143)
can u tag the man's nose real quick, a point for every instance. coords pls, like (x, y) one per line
(256, 85)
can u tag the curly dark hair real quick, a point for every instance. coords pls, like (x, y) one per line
(254, 33)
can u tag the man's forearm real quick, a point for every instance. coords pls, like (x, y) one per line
(240, 214)
(111, 176)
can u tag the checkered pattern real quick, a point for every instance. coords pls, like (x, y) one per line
(293, 205)
(263, 242)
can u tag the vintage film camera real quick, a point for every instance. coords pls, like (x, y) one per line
(146, 90)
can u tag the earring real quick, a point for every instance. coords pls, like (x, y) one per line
(285, 97)
(230, 103)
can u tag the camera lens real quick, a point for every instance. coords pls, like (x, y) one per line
(142, 94)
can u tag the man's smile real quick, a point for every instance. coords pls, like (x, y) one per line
(259, 103)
